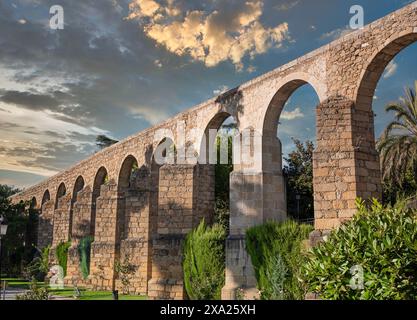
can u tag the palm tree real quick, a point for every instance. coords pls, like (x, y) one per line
(398, 144)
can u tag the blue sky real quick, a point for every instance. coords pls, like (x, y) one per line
(117, 70)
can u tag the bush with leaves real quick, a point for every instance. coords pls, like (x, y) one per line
(84, 251)
(39, 266)
(62, 255)
(35, 293)
(276, 254)
(204, 262)
(381, 241)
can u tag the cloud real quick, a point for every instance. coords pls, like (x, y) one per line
(291, 115)
(30, 100)
(390, 70)
(287, 5)
(230, 31)
(336, 34)
(152, 115)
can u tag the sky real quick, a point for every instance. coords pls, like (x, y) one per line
(121, 66)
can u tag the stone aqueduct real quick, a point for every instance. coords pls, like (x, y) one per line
(148, 217)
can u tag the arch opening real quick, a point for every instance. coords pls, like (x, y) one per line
(127, 173)
(46, 197)
(62, 191)
(100, 179)
(288, 142)
(386, 77)
(216, 154)
(33, 203)
(78, 187)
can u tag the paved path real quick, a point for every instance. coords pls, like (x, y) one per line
(12, 293)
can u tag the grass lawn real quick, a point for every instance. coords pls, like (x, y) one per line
(69, 292)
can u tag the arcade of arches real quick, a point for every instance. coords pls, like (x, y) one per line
(133, 205)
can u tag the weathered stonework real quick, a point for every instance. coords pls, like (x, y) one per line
(149, 219)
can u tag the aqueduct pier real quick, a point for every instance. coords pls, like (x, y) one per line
(147, 216)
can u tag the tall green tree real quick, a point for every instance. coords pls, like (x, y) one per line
(18, 246)
(298, 173)
(398, 147)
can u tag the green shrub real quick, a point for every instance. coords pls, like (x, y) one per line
(84, 251)
(204, 262)
(39, 266)
(276, 254)
(382, 241)
(62, 255)
(34, 293)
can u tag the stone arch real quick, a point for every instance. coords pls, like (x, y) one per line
(164, 152)
(78, 186)
(376, 65)
(125, 174)
(62, 191)
(207, 140)
(271, 146)
(46, 197)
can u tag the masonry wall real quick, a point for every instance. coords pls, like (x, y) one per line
(150, 222)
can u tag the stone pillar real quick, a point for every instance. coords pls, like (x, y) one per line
(61, 225)
(103, 249)
(346, 164)
(135, 238)
(81, 225)
(46, 225)
(183, 201)
(255, 198)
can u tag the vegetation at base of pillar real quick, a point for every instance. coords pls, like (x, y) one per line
(35, 293)
(18, 246)
(38, 268)
(299, 181)
(84, 251)
(373, 256)
(125, 271)
(276, 252)
(398, 148)
(62, 255)
(204, 262)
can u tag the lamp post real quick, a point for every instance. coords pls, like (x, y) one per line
(298, 198)
(3, 230)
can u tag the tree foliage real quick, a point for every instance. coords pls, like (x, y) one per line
(299, 180)
(380, 244)
(204, 262)
(18, 246)
(62, 254)
(398, 148)
(103, 141)
(276, 253)
(84, 252)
